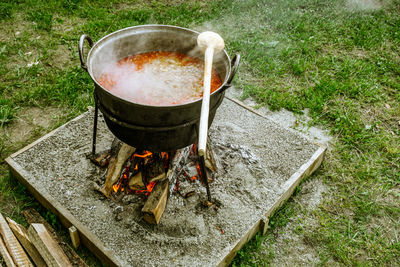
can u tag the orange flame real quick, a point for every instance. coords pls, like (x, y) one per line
(146, 154)
(120, 185)
(117, 186)
(148, 189)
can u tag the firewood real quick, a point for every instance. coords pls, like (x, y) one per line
(136, 182)
(115, 168)
(22, 235)
(154, 169)
(100, 159)
(159, 177)
(51, 252)
(210, 159)
(14, 248)
(5, 255)
(175, 165)
(32, 216)
(74, 234)
(154, 207)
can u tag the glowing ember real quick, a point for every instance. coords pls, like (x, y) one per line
(195, 177)
(148, 189)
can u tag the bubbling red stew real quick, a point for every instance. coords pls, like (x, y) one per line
(158, 78)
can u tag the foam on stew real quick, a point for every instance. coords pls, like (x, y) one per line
(157, 78)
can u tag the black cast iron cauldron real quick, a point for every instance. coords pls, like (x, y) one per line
(156, 128)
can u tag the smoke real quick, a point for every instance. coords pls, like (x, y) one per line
(160, 82)
(363, 5)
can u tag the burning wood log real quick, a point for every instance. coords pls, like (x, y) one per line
(136, 182)
(115, 168)
(103, 158)
(32, 216)
(154, 207)
(22, 235)
(51, 252)
(156, 203)
(5, 255)
(175, 165)
(17, 253)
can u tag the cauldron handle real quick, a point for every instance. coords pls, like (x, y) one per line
(234, 67)
(80, 49)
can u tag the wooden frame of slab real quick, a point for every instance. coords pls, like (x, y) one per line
(305, 170)
(99, 249)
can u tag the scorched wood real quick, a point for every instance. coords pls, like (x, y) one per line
(155, 204)
(115, 168)
(176, 165)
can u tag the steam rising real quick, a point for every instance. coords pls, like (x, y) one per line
(160, 82)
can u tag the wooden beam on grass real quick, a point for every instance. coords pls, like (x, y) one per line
(14, 248)
(51, 252)
(5, 255)
(21, 234)
(74, 234)
(32, 216)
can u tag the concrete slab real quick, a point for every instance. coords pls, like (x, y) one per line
(259, 166)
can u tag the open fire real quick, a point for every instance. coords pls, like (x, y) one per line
(155, 175)
(135, 176)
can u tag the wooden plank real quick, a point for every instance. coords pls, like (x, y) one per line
(154, 207)
(305, 170)
(91, 241)
(51, 252)
(14, 248)
(5, 255)
(74, 234)
(22, 235)
(32, 216)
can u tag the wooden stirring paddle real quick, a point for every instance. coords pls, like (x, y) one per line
(209, 43)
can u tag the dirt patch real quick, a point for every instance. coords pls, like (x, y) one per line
(30, 121)
(61, 57)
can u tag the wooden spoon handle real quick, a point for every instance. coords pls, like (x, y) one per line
(205, 106)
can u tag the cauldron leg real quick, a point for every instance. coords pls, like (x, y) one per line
(96, 113)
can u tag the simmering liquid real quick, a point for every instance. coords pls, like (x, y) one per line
(157, 78)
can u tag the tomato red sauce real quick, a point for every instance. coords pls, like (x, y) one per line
(157, 78)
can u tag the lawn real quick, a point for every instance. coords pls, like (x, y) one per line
(339, 59)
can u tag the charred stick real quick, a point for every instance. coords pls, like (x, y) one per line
(114, 171)
(204, 176)
(175, 167)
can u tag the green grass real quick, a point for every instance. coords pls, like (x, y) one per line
(338, 59)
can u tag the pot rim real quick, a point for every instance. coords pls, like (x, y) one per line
(106, 37)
